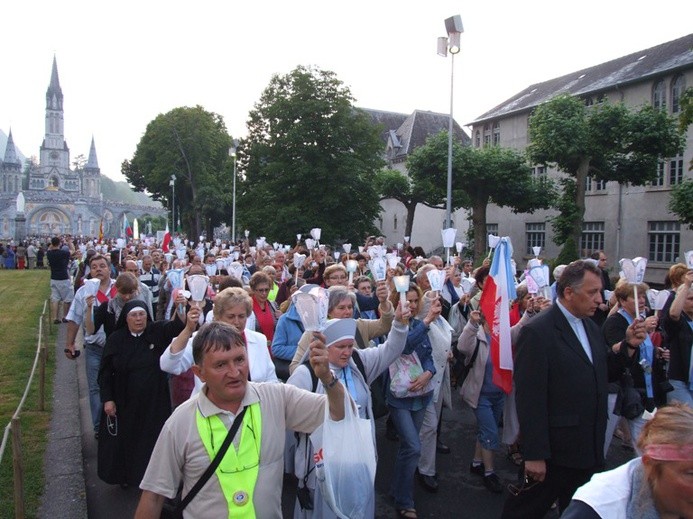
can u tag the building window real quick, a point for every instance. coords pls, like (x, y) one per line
(588, 184)
(592, 237)
(664, 241)
(600, 185)
(536, 235)
(659, 181)
(395, 223)
(487, 135)
(492, 228)
(539, 172)
(477, 139)
(676, 171)
(496, 134)
(678, 85)
(659, 95)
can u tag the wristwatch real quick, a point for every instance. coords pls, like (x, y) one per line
(332, 383)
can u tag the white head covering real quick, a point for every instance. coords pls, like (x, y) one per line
(338, 330)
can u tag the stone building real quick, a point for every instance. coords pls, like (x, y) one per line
(57, 198)
(623, 220)
(402, 134)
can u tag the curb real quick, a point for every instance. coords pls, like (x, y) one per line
(64, 493)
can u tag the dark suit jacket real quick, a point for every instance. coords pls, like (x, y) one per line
(561, 396)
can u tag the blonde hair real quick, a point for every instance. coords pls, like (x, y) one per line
(624, 290)
(229, 297)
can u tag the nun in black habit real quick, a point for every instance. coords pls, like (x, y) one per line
(134, 393)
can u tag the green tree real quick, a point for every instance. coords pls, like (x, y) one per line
(480, 176)
(192, 145)
(604, 141)
(394, 184)
(681, 202)
(308, 161)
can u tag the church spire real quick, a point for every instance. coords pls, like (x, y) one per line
(92, 162)
(10, 151)
(54, 94)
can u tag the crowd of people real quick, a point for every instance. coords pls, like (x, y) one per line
(168, 371)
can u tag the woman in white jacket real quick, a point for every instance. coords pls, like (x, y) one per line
(232, 306)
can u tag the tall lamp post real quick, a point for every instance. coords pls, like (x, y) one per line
(172, 183)
(451, 44)
(232, 154)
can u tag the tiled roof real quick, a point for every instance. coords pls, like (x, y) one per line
(665, 58)
(409, 131)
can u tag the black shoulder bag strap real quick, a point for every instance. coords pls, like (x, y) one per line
(215, 462)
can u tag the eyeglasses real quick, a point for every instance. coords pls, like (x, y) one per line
(527, 484)
(262, 290)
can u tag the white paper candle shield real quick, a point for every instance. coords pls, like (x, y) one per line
(459, 246)
(336, 255)
(247, 233)
(299, 260)
(236, 270)
(211, 269)
(392, 261)
(360, 249)
(689, 259)
(307, 309)
(120, 243)
(92, 286)
(633, 270)
(657, 298)
(436, 278)
(310, 243)
(236, 255)
(536, 251)
(175, 276)
(378, 269)
(176, 242)
(298, 237)
(198, 287)
(540, 275)
(399, 246)
(449, 237)
(532, 286)
(493, 241)
(180, 253)
(401, 285)
(221, 264)
(168, 257)
(316, 232)
(347, 247)
(467, 285)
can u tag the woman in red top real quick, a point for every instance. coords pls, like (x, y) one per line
(265, 313)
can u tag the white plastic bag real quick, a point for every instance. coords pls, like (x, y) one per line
(344, 457)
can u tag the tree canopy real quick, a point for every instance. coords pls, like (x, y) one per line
(604, 141)
(192, 145)
(480, 176)
(309, 160)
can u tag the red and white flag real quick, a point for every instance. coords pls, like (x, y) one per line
(167, 240)
(498, 293)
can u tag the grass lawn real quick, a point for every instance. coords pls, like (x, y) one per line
(22, 295)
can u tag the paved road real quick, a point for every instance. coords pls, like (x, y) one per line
(461, 494)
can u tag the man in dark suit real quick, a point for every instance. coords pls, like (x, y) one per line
(561, 372)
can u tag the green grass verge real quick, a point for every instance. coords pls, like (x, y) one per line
(22, 295)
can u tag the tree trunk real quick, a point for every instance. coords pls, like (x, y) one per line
(411, 209)
(479, 225)
(580, 179)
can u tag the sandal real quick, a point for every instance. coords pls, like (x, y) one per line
(406, 513)
(515, 457)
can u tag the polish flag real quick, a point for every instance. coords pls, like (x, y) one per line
(498, 293)
(167, 240)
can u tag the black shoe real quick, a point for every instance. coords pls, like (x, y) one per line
(478, 470)
(492, 483)
(428, 482)
(57, 321)
(441, 448)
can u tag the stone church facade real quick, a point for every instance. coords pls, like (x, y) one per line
(56, 198)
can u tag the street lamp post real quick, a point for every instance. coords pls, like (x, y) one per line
(232, 153)
(453, 26)
(172, 183)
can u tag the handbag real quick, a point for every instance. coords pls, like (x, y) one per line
(173, 508)
(628, 402)
(346, 476)
(405, 369)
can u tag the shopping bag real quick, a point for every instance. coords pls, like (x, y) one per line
(346, 475)
(403, 372)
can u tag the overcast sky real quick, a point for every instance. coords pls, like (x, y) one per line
(121, 64)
